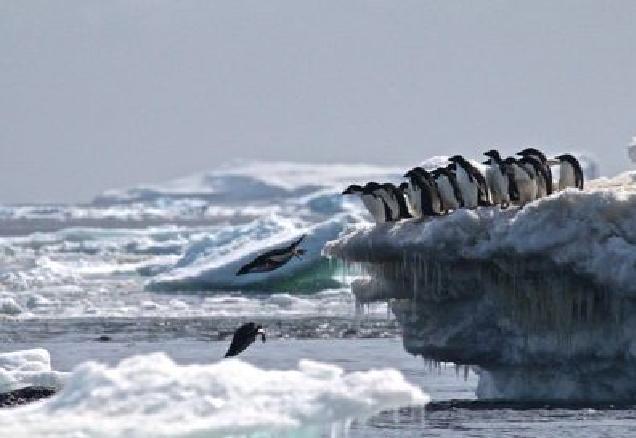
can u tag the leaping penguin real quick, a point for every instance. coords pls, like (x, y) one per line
(244, 336)
(571, 174)
(535, 153)
(497, 179)
(273, 259)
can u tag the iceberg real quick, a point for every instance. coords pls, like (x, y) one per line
(540, 301)
(150, 395)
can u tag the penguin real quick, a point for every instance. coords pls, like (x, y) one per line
(387, 207)
(571, 174)
(398, 192)
(448, 189)
(373, 204)
(520, 183)
(537, 154)
(244, 336)
(497, 179)
(465, 178)
(423, 193)
(273, 259)
(537, 171)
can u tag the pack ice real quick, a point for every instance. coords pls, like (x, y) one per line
(150, 395)
(541, 301)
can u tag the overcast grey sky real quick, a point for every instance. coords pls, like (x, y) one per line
(98, 94)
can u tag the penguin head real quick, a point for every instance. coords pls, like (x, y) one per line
(403, 187)
(493, 153)
(371, 186)
(452, 167)
(533, 152)
(352, 189)
(456, 159)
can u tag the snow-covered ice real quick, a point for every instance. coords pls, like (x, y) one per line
(152, 396)
(28, 368)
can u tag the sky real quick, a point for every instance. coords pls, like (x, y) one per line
(102, 94)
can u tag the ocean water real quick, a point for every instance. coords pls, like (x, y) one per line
(152, 269)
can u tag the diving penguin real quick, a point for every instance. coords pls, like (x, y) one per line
(244, 336)
(273, 259)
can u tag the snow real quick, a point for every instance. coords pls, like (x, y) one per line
(28, 368)
(593, 232)
(150, 395)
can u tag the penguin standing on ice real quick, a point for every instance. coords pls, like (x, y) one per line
(374, 205)
(472, 190)
(520, 183)
(448, 188)
(547, 171)
(497, 179)
(403, 210)
(571, 174)
(537, 172)
(244, 336)
(423, 193)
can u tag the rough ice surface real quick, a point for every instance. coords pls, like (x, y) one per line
(541, 300)
(28, 368)
(152, 396)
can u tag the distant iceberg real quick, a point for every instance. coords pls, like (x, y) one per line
(541, 301)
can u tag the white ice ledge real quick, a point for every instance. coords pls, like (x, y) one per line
(592, 232)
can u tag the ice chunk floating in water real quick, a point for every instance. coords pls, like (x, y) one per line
(28, 368)
(152, 396)
(542, 300)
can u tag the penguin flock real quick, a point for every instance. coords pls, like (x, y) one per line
(510, 181)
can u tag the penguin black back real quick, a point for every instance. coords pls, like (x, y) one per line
(244, 336)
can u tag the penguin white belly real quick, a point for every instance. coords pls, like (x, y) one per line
(446, 192)
(566, 177)
(468, 188)
(497, 185)
(414, 196)
(526, 186)
(532, 186)
(373, 205)
(542, 189)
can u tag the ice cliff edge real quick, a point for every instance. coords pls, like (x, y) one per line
(541, 301)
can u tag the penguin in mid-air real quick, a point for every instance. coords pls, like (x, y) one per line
(423, 193)
(244, 336)
(520, 183)
(547, 170)
(448, 188)
(273, 259)
(372, 202)
(571, 174)
(497, 179)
